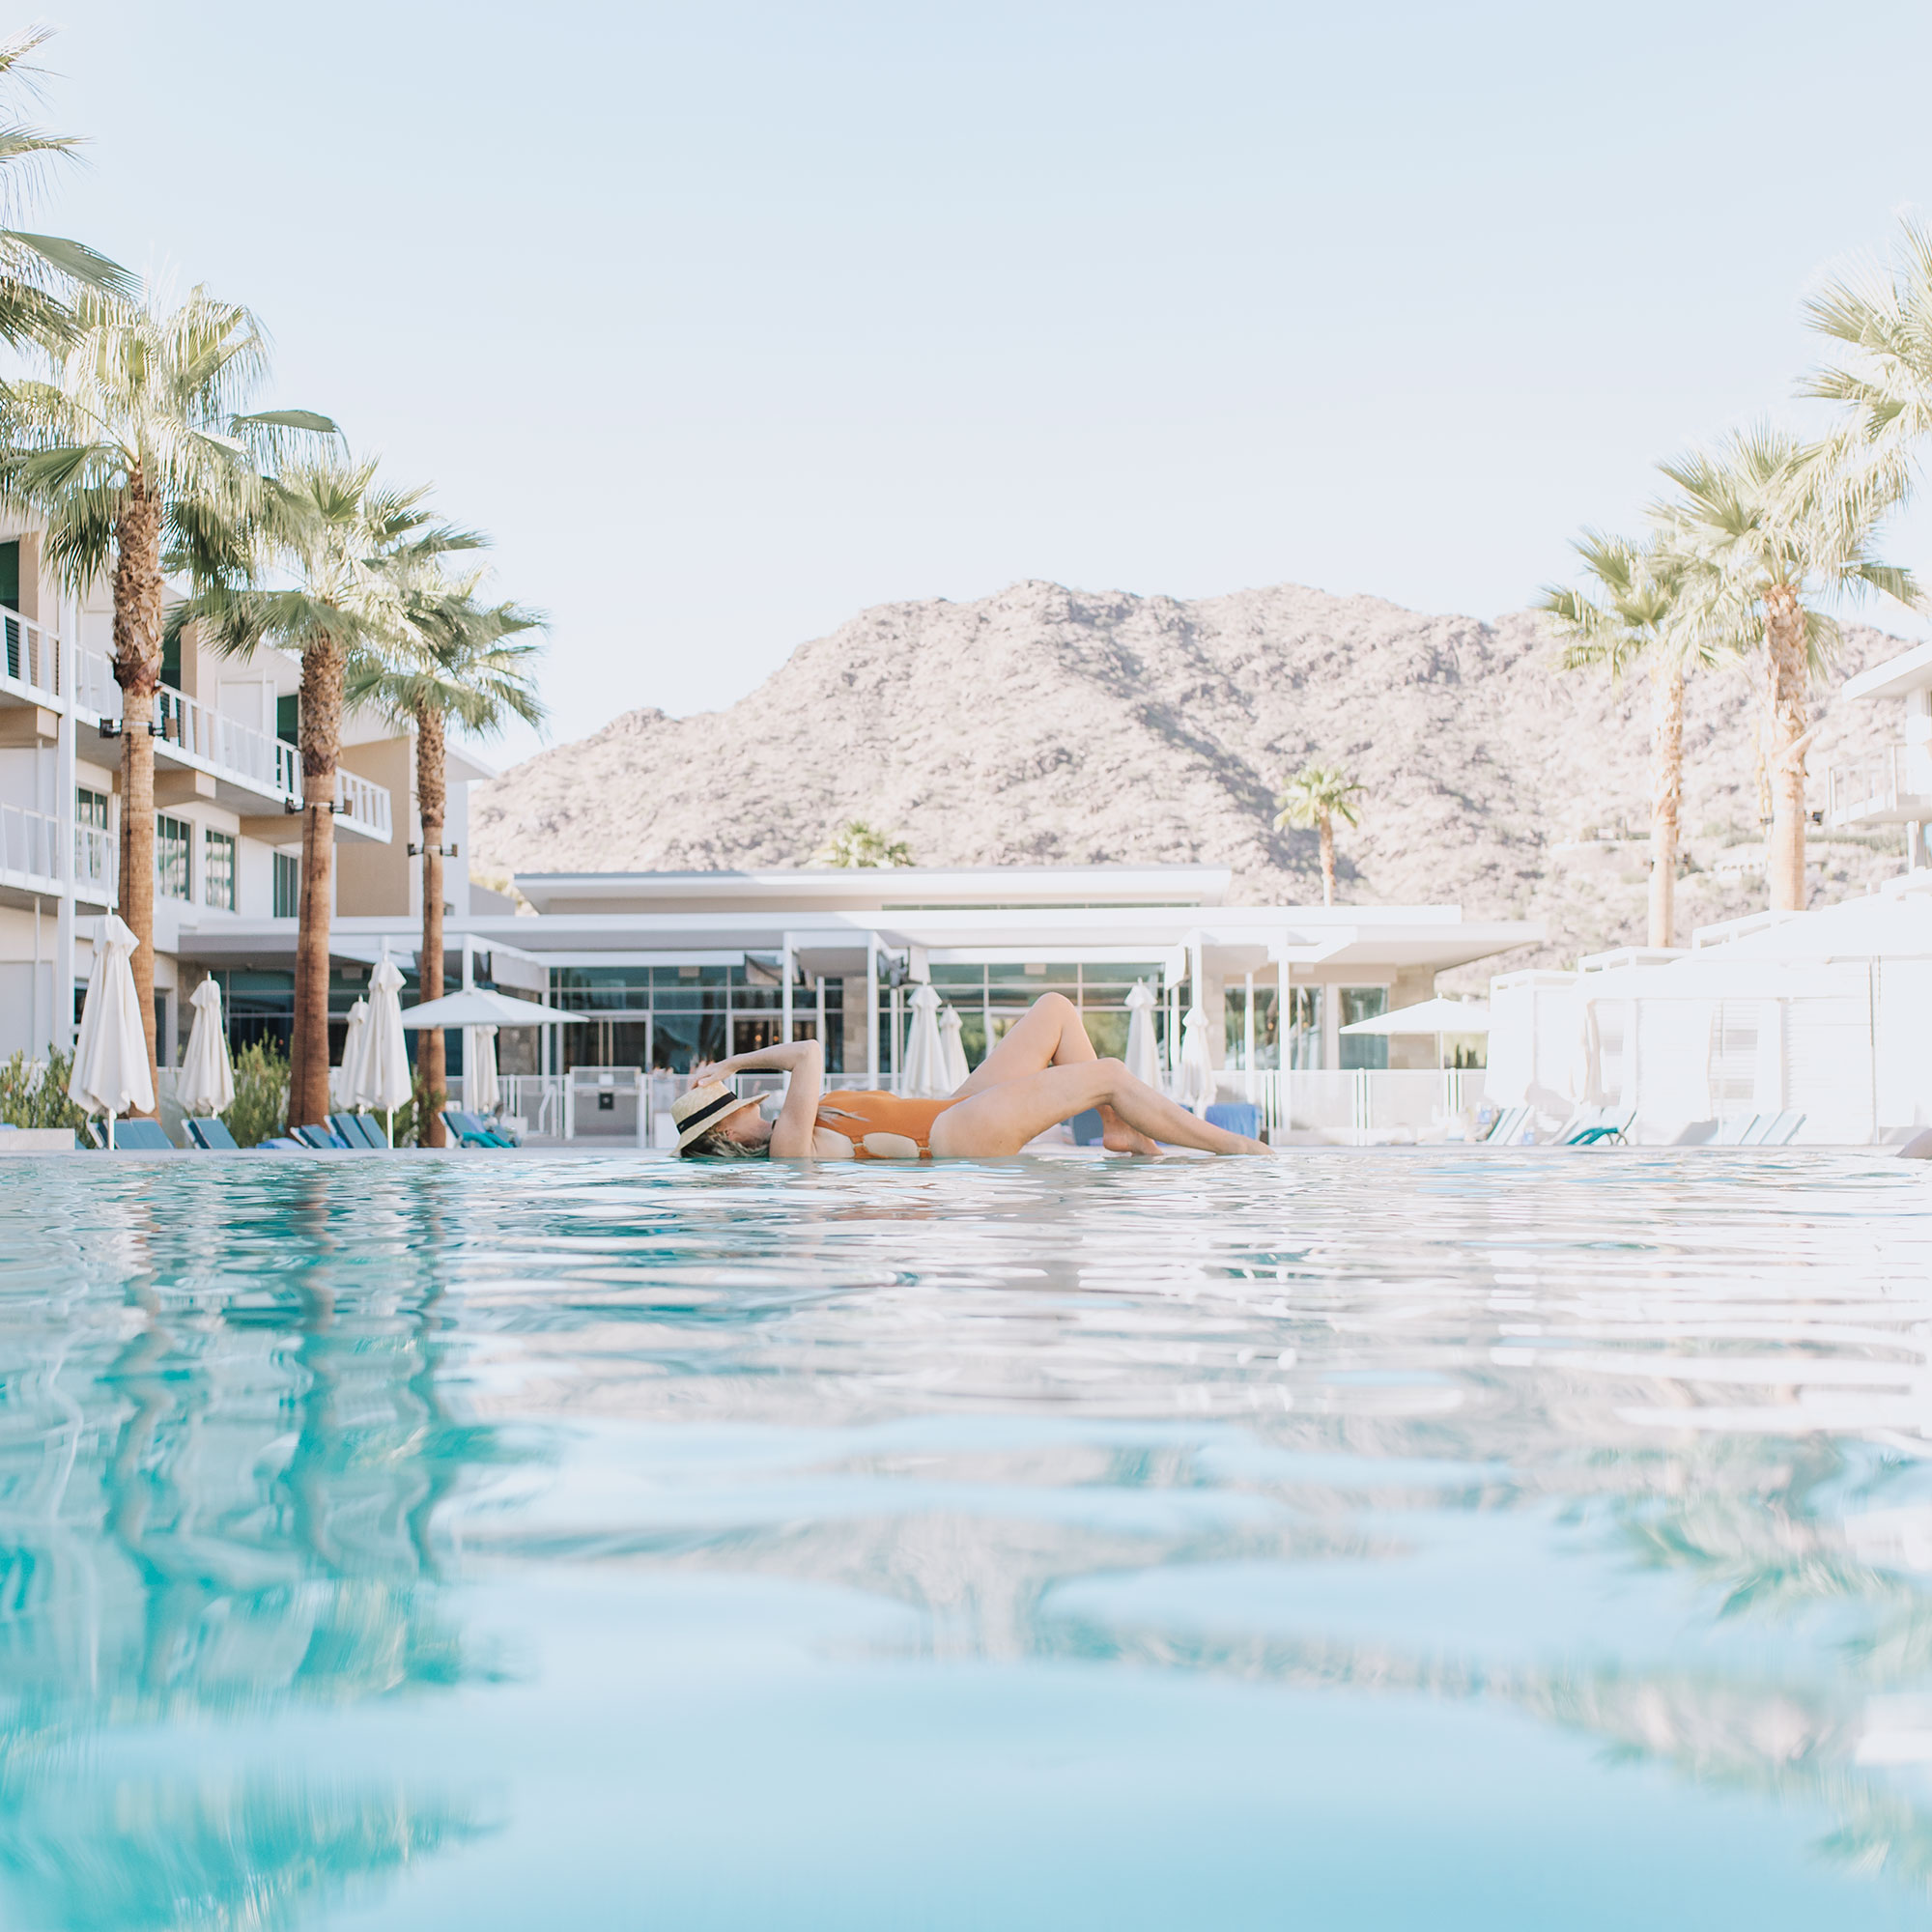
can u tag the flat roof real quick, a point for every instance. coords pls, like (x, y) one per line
(1912, 670)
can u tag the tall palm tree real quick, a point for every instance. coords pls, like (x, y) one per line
(39, 271)
(1766, 531)
(135, 452)
(1318, 795)
(350, 547)
(856, 843)
(465, 671)
(1638, 614)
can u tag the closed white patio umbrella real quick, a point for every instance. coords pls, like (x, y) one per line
(923, 1074)
(342, 1079)
(111, 1057)
(1197, 1067)
(480, 1089)
(1143, 1054)
(206, 1083)
(383, 1076)
(953, 1050)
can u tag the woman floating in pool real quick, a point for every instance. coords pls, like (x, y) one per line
(1043, 1072)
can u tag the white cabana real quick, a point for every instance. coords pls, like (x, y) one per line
(207, 1082)
(922, 1073)
(1143, 1054)
(383, 1076)
(111, 1057)
(342, 1078)
(481, 1090)
(1196, 1087)
(953, 1050)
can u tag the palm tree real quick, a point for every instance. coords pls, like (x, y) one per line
(1765, 529)
(467, 672)
(134, 453)
(38, 272)
(354, 550)
(1638, 614)
(859, 844)
(1318, 795)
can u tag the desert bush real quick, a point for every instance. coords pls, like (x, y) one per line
(33, 1093)
(261, 1094)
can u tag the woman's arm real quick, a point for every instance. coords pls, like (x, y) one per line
(805, 1060)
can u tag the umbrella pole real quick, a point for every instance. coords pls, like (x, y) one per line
(110, 1134)
(389, 1127)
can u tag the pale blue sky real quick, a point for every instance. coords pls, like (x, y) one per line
(729, 320)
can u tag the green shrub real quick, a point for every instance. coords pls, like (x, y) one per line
(261, 1095)
(33, 1093)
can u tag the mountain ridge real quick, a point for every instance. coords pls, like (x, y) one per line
(1045, 724)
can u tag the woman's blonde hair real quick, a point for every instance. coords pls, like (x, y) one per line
(715, 1144)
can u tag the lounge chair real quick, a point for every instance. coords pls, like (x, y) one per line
(1732, 1132)
(1506, 1129)
(1086, 1127)
(211, 1136)
(1607, 1128)
(356, 1130)
(139, 1136)
(1782, 1129)
(474, 1130)
(318, 1138)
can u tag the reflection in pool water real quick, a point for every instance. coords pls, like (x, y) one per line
(1421, 1539)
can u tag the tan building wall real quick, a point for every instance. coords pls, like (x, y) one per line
(373, 881)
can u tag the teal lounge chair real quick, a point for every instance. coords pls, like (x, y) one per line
(474, 1130)
(1506, 1130)
(138, 1136)
(356, 1130)
(318, 1138)
(211, 1136)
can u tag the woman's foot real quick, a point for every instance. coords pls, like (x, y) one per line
(1116, 1137)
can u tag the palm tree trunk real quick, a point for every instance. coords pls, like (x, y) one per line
(432, 1058)
(137, 671)
(1326, 824)
(320, 734)
(1666, 794)
(1788, 672)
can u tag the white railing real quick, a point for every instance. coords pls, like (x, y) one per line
(367, 803)
(36, 663)
(1887, 785)
(29, 843)
(537, 1099)
(189, 728)
(1367, 1105)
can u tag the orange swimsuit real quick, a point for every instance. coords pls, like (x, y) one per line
(882, 1126)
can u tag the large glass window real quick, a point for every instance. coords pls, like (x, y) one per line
(288, 886)
(669, 1017)
(93, 863)
(1364, 1050)
(173, 844)
(989, 999)
(217, 870)
(1304, 1028)
(1266, 1001)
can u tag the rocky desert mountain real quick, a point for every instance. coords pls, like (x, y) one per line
(1047, 726)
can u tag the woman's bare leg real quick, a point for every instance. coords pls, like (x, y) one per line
(1002, 1118)
(1050, 1033)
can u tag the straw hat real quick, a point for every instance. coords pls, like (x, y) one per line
(704, 1107)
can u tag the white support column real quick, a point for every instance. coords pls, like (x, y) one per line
(871, 1009)
(1284, 1012)
(60, 1030)
(786, 968)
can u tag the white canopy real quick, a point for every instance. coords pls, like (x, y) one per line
(473, 1006)
(952, 1049)
(383, 1076)
(923, 1077)
(111, 1057)
(1143, 1053)
(1431, 1016)
(206, 1083)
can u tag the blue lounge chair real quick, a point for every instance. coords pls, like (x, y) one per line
(1086, 1127)
(356, 1130)
(1235, 1118)
(211, 1136)
(474, 1130)
(1506, 1130)
(281, 1144)
(319, 1138)
(1782, 1129)
(139, 1136)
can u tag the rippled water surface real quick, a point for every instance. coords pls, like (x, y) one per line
(1364, 1540)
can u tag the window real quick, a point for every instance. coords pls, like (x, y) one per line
(217, 870)
(288, 886)
(172, 837)
(288, 716)
(1304, 1028)
(1364, 1050)
(90, 808)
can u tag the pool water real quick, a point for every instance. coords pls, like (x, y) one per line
(1400, 1540)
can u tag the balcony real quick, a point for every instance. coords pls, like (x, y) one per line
(30, 860)
(361, 808)
(1892, 787)
(35, 669)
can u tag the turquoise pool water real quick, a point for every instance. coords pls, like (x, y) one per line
(1419, 1539)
